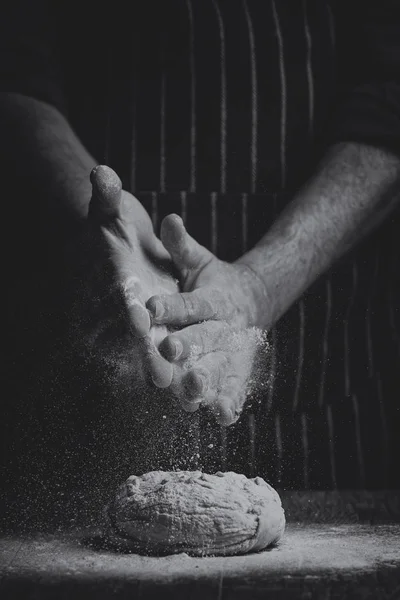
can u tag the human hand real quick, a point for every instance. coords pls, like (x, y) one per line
(117, 264)
(216, 313)
(122, 264)
(220, 366)
(211, 289)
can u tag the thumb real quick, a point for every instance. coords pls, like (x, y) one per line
(186, 253)
(106, 197)
(180, 310)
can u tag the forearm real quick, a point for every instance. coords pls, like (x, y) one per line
(43, 153)
(354, 189)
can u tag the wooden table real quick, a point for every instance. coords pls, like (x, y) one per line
(344, 557)
(313, 561)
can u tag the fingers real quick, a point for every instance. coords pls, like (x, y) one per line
(186, 253)
(159, 370)
(195, 340)
(105, 210)
(139, 318)
(229, 404)
(218, 380)
(178, 310)
(209, 371)
(105, 203)
(202, 383)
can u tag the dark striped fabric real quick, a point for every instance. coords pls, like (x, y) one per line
(218, 110)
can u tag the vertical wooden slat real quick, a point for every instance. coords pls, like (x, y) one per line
(193, 137)
(133, 143)
(282, 74)
(309, 70)
(223, 448)
(391, 314)
(244, 224)
(108, 104)
(254, 100)
(310, 84)
(332, 29)
(214, 223)
(394, 285)
(184, 206)
(304, 437)
(279, 448)
(133, 158)
(223, 102)
(154, 210)
(272, 371)
(325, 347)
(162, 133)
(252, 445)
(384, 433)
(331, 440)
(346, 322)
(360, 456)
(369, 310)
(300, 362)
(273, 349)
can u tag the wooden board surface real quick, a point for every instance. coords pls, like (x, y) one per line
(321, 561)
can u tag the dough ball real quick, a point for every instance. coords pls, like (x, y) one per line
(197, 513)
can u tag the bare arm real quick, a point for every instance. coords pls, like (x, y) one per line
(47, 153)
(354, 189)
(357, 183)
(39, 147)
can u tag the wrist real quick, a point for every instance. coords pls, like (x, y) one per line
(258, 302)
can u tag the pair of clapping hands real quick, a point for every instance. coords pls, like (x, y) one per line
(187, 311)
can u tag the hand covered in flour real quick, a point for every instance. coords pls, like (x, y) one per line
(211, 289)
(123, 265)
(216, 313)
(118, 263)
(219, 364)
(126, 265)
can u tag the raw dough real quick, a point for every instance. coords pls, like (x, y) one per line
(197, 513)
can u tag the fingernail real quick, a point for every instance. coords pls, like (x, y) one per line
(198, 382)
(190, 407)
(176, 348)
(226, 417)
(204, 384)
(156, 310)
(106, 185)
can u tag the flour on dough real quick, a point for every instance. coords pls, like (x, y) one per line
(197, 513)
